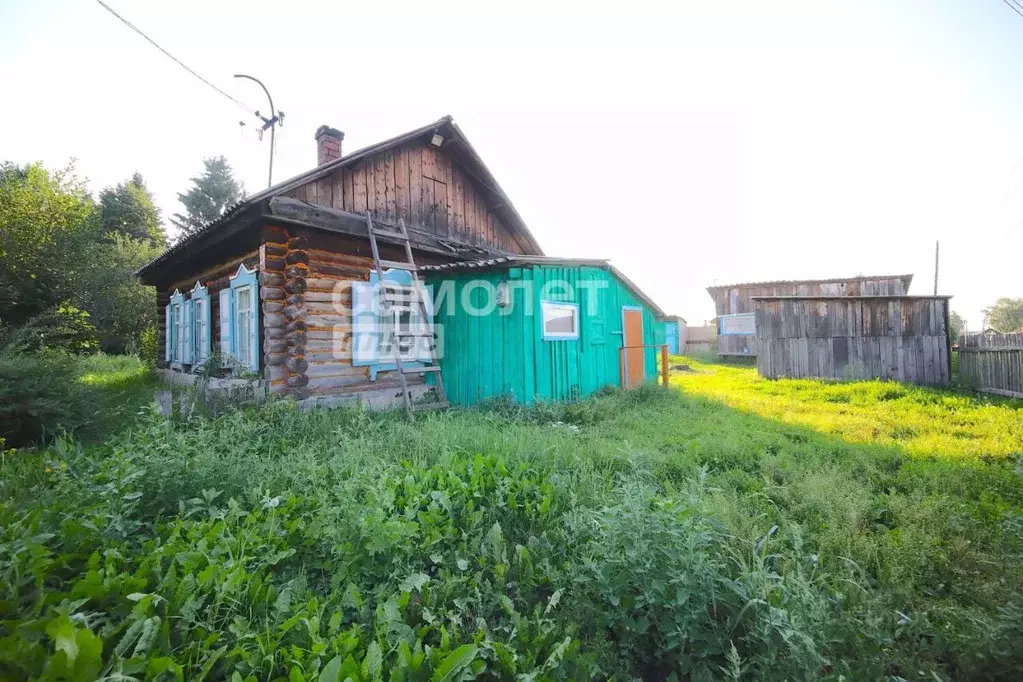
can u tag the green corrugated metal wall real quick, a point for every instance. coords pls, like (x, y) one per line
(504, 353)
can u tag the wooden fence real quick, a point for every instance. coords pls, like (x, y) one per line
(992, 363)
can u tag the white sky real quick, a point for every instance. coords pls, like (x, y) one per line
(692, 142)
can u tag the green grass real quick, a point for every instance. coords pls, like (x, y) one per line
(920, 421)
(727, 528)
(116, 388)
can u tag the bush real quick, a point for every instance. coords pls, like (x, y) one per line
(39, 396)
(62, 328)
(145, 347)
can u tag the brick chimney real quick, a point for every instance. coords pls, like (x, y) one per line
(328, 144)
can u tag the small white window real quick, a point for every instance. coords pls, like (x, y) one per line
(403, 322)
(560, 320)
(243, 323)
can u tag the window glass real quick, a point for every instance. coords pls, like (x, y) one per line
(199, 337)
(178, 336)
(402, 320)
(560, 320)
(243, 323)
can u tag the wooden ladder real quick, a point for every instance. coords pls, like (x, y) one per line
(410, 266)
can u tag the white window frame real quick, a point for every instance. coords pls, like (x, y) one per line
(410, 351)
(199, 338)
(177, 311)
(559, 305)
(243, 330)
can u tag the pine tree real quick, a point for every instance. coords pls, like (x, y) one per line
(128, 209)
(211, 194)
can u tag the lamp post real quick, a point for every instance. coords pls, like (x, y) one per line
(271, 123)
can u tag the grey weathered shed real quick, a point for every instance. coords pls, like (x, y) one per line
(734, 302)
(904, 338)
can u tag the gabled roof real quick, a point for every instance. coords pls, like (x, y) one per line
(505, 262)
(835, 280)
(455, 142)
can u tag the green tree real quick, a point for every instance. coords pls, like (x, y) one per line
(128, 209)
(212, 192)
(956, 326)
(120, 306)
(47, 222)
(1006, 315)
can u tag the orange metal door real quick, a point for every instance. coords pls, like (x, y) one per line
(632, 321)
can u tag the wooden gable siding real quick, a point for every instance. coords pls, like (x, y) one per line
(419, 184)
(214, 278)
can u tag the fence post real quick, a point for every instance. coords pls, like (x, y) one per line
(664, 364)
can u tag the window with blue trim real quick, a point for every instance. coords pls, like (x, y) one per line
(378, 329)
(560, 321)
(201, 330)
(239, 319)
(175, 333)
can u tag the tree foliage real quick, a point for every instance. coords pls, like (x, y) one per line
(212, 192)
(1006, 315)
(121, 307)
(60, 248)
(64, 328)
(956, 326)
(128, 209)
(47, 220)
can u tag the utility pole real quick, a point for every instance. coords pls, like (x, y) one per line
(936, 244)
(276, 118)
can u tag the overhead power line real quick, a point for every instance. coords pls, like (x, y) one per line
(176, 60)
(1015, 6)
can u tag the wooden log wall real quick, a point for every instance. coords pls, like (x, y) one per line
(307, 299)
(214, 279)
(992, 363)
(899, 338)
(420, 184)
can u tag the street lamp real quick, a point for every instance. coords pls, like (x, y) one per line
(271, 123)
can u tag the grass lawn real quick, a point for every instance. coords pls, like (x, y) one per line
(726, 528)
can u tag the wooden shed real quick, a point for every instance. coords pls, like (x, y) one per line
(903, 338)
(734, 305)
(674, 334)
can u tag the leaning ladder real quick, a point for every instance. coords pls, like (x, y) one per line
(410, 266)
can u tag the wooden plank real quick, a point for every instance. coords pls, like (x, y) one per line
(390, 191)
(325, 191)
(456, 221)
(361, 188)
(337, 190)
(347, 191)
(440, 198)
(402, 198)
(378, 196)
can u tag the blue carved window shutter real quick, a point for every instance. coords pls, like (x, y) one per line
(175, 327)
(186, 331)
(168, 331)
(201, 329)
(254, 346)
